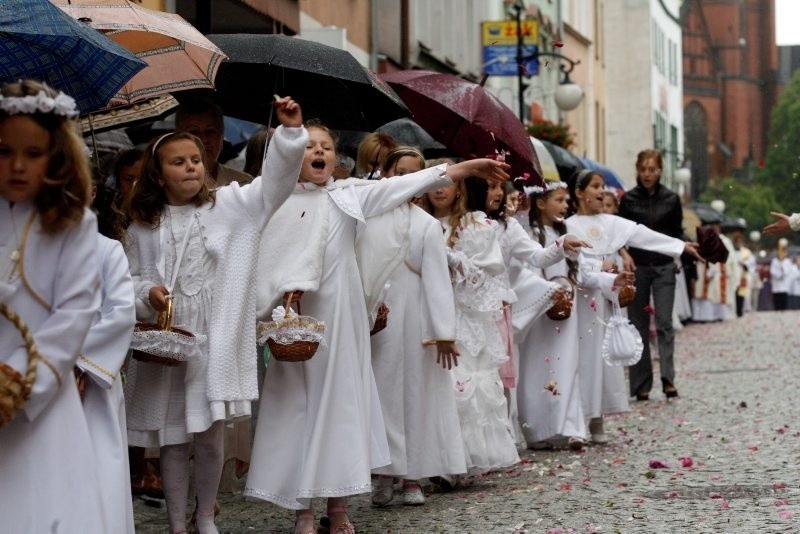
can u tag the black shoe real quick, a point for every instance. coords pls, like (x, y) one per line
(643, 396)
(669, 390)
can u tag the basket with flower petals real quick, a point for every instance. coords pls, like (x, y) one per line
(562, 300)
(291, 337)
(15, 389)
(162, 343)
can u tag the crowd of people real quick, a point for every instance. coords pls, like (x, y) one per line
(464, 319)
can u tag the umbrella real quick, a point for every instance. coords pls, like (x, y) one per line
(178, 56)
(705, 213)
(38, 40)
(329, 83)
(548, 164)
(610, 177)
(466, 118)
(567, 163)
(405, 131)
(130, 115)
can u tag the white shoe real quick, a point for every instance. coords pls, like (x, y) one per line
(383, 492)
(412, 495)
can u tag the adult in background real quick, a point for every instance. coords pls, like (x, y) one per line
(652, 204)
(203, 118)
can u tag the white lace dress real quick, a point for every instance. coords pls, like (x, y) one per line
(475, 261)
(182, 389)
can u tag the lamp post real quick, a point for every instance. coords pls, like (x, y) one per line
(568, 94)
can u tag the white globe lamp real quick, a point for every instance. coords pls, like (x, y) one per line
(568, 96)
(755, 236)
(718, 205)
(683, 175)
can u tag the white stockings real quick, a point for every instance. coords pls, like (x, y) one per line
(208, 463)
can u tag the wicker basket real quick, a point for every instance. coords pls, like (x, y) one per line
(381, 320)
(163, 324)
(562, 307)
(625, 295)
(297, 350)
(15, 390)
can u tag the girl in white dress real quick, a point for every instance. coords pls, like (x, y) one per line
(411, 357)
(98, 370)
(320, 431)
(200, 247)
(476, 262)
(49, 277)
(603, 387)
(520, 252)
(548, 394)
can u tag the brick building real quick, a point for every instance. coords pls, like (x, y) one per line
(730, 84)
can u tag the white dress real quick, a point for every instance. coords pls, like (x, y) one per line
(417, 398)
(213, 296)
(549, 355)
(49, 477)
(320, 431)
(101, 358)
(475, 262)
(603, 387)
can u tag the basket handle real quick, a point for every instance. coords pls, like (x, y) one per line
(165, 317)
(288, 305)
(30, 346)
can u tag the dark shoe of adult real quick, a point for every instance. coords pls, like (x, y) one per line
(669, 390)
(644, 396)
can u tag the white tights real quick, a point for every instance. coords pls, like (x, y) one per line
(208, 464)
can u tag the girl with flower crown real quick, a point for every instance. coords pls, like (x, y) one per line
(49, 278)
(603, 386)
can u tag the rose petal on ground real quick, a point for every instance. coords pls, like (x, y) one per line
(686, 461)
(785, 514)
(657, 464)
(781, 502)
(778, 485)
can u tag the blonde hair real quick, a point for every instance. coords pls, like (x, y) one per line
(399, 153)
(372, 152)
(67, 187)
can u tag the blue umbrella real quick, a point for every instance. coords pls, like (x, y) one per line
(610, 177)
(40, 41)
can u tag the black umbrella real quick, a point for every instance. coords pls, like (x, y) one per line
(566, 162)
(404, 131)
(706, 213)
(329, 83)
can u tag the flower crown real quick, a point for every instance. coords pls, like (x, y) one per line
(62, 104)
(549, 186)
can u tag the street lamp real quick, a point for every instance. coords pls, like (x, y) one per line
(568, 94)
(683, 175)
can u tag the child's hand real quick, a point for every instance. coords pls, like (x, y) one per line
(288, 111)
(447, 354)
(625, 278)
(488, 169)
(574, 245)
(158, 298)
(627, 261)
(609, 267)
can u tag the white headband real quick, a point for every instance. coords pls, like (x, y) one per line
(61, 104)
(549, 186)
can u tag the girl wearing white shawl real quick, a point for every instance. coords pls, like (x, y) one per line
(602, 386)
(411, 357)
(320, 430)
(201, 246)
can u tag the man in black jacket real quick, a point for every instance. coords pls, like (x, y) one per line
(653, 205)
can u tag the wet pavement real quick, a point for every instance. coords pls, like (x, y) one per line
(722, 458)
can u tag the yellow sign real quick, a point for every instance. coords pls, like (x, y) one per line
(504, 32)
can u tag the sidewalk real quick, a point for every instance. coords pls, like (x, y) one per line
(730, 446)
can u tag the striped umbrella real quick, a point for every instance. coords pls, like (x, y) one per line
(37, 40)
(178, 56)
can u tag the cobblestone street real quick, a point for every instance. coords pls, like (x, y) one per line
(721, 458)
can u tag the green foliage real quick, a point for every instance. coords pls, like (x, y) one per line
(753, 202)
(546, 130)
(781, 169)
